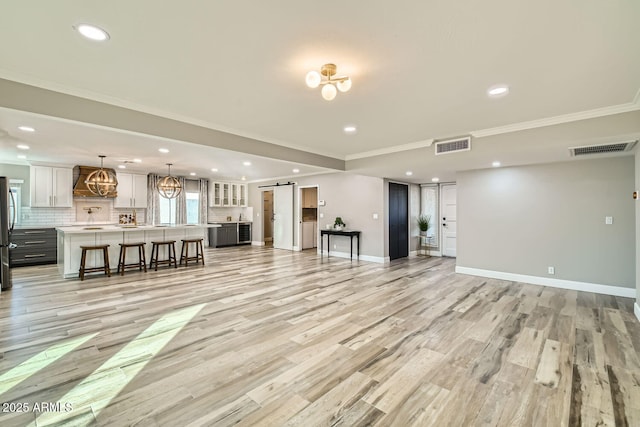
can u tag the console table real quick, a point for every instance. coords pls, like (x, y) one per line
(330, 233)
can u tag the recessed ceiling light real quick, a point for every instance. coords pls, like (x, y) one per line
(92, 32)
(498, 90)
(22, 146)
(495, 164)
(163, 150)
(192, 174)
(408, 173)
(137, 161)
(214, 170)
(435, 179)
(296, 170)
(246, 163)
(350, 129)
(244, 178)
(122, 166)
(22, 156)
(26, 128)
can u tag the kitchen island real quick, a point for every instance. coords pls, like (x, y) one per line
(71, 238)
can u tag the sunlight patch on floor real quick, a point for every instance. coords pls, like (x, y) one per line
(40, 361)
(95, 392)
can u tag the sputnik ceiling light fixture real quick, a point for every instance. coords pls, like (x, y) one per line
(329, 83)
(102, 182)
(169, 186)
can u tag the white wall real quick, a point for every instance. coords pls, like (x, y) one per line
(521, 220)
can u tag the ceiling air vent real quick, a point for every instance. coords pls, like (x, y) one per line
(602, 148)
(453, 145)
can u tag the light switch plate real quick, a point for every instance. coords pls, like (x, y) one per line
(608, 220)
(375, 216)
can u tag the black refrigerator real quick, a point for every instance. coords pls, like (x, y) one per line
(7, 221)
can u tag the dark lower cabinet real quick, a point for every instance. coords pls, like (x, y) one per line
(34, 246)
(230, 234)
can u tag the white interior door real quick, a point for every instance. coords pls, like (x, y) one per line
(283, 217)
(448, 219)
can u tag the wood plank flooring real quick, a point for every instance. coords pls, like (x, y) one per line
(264, 337)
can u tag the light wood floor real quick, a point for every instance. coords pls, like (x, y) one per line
(280, 338)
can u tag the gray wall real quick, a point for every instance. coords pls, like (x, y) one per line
(637, 203)
(521, 220)
(355, 198)
(18, 172)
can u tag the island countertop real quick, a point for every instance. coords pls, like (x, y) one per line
(86, 229)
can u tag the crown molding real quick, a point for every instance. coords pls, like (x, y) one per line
(565, 118)
(390, 150)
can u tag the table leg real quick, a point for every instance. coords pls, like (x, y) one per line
(358, 239)
(351, 247)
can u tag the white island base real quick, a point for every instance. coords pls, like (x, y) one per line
(71, 238)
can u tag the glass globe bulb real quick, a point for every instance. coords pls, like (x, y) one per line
(344, 85)
(313, 79)
(329, 92)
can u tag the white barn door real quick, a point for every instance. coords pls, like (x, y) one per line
(283, 217)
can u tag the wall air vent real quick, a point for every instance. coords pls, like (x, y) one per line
(453, 145)
(602, 148)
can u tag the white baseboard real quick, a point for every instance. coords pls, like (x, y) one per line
(257, 243)
(380, 260)
(553, 283)
(636, 310)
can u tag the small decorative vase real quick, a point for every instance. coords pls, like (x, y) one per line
(337, 227)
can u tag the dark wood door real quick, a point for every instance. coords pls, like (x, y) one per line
(398, 220)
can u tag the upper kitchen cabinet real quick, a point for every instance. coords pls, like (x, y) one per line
(227, 194)
(132, 191)
(51, 187)
(215, 194)
(242, 195)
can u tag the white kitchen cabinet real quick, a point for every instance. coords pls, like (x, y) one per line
(242, 197)
(309, 235)
(226, 194)
(51, 187)
(215, 194)
(132, 191)
(234, 195)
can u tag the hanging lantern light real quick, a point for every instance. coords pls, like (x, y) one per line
(169, 186)
(102, 182)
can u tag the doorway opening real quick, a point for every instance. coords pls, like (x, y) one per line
(267, 217)
(308, 214)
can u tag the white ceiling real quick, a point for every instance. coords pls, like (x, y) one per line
(420, 71)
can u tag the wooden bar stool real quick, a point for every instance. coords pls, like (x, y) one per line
(83, 259)
(184, 253)
(171, 248)
(142, 259)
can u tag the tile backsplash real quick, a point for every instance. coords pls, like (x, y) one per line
(102, 211)
(221, 214)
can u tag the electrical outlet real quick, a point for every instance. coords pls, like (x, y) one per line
(608, 220)
(551, 270)
(321, 215)
(375, 216)
(334, 246)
